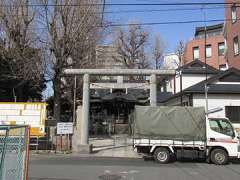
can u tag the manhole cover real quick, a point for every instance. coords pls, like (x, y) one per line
(110, 177)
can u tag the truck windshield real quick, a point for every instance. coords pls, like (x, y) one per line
(222, 126)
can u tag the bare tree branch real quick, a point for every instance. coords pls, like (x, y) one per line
(180, 52)
(130, 45)
(158, 51)
(73, 33)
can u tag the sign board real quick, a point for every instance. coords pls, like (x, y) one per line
(65, 128)
(51, 123)
(32, 114)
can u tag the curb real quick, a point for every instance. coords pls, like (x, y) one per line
(92, 155)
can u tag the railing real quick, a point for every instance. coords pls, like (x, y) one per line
(53, 144)
(14, 152)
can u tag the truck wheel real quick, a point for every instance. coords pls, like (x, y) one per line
(219, 157)
(161, 155)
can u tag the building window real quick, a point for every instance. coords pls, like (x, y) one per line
(233, 113)
(236, 45)
(234, 13)
(196, 53)
(208, 51)
(221, 49)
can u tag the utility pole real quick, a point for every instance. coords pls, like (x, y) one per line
(205, 61)
(181, 89)
(103, 9)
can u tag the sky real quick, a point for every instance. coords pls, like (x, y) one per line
(171, 34)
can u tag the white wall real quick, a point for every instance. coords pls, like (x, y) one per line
(187, 81)
(177, 101)
(170, 61)
(215, 101)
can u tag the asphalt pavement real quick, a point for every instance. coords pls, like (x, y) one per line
(69, 167)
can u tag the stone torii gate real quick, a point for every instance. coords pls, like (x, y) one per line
(82, 140)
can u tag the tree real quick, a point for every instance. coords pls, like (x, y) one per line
(158, 50)
(130, 45)
(180, 52)
(143, 60)
(73, 31)
(14, 88)
(20, 56)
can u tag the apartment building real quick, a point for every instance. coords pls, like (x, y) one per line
(232, 32)
(213, 44)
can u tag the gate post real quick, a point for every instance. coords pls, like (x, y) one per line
(153, 90)
(85, 110)
(80, 143)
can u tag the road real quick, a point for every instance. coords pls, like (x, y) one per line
(91, 168)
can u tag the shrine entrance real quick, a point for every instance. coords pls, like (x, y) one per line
(111, 113)
(117, 104)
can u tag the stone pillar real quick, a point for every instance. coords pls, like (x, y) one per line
(80, 137)
(153, 90)
(76, 139)
(85, 110)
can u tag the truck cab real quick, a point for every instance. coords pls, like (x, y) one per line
(222, 140)
(170, 132)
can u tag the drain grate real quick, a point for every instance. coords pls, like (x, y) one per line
(110, 177)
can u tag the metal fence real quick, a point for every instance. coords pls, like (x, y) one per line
(14, 152)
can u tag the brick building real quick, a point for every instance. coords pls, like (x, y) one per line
(232, 33)
(215, 47)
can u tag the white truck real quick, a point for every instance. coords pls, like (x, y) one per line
(184, 132)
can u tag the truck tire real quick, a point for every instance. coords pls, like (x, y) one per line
(161, 155)
(219, 157)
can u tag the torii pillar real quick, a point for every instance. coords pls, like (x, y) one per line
(153, 90)
(81, 134)
(85, 110)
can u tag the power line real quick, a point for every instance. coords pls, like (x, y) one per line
(129, 4)
(103, 10)
(146, 10)
(151, 10)
(171, 22)
(149, 23)
(163, 10)
(166, 4)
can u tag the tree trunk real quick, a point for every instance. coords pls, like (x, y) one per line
(57, 98)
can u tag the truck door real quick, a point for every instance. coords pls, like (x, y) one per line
(221, 133)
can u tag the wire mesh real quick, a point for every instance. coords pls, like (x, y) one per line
(14, 150)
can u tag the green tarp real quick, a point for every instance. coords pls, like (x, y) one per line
(170, 123)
